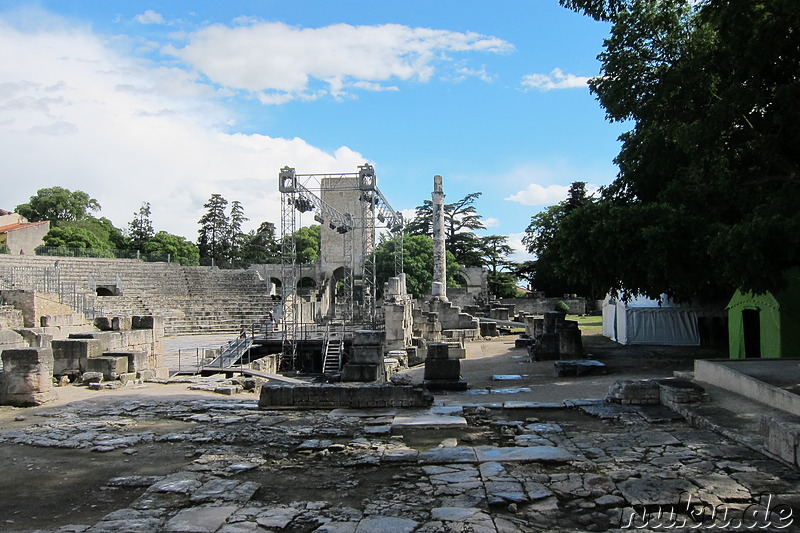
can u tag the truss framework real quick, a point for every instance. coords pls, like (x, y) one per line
(298, 195)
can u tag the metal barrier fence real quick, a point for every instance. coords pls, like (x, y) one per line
(48, 280)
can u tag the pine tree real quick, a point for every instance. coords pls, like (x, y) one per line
(213, 236)
(140, 229)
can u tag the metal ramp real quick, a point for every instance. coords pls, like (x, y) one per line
(231, 353)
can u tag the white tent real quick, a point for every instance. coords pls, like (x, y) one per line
(645, 321)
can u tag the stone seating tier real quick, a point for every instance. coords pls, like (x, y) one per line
(191, 299)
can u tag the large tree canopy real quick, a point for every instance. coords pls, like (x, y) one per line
(708, 187)
(461, 219)
(58, 203)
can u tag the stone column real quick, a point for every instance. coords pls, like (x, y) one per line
(439, 285)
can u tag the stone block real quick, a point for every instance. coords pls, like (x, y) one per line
(400, 355)
(27, 377)
(499, 313)
(488, 329)
(362, 372)
(782, 439)
(438, 350)
(551, 320)
(546, 348)
(642, 392)
(121, 323)
(442, 369)
(71, 355)
(127, 377)
(103, 323)
(11, 339)
(137, 359)
(570, 345)
(414, 357)
(91, 377)
(366, 354)
(368, 337)
(580, 368)
(110, 366)
(155, 323)
(674, 391)
(35, 337)
(524, 342)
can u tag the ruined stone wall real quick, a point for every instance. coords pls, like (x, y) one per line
(35, 305)
(11, 318)
(538, 306)
(343, 195)
(342, 395)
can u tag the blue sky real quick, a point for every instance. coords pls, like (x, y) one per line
(168, 102)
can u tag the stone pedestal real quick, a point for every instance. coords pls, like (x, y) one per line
(366, 357)
(27, 377)
(441, 371)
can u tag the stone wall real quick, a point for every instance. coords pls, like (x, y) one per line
(10, 318)
(343, 395)
(538, 306)
(27, 238)
(35, 305)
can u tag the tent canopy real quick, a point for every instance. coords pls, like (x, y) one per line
(643, 320)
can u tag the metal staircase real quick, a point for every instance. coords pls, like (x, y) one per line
(332, 361)
(231, 353)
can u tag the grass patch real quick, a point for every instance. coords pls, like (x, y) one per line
(589, 325)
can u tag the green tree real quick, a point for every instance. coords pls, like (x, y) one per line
(503, 284)
(90, 232)
(495, 251)
(708, 184)
(551, 272)
(74, 237)
(417, 264)
(213, 236)
(57, 203)
(178, 248)
(307, 241)
(236, 237)
(140, 229)
(461, 219)
(261, 246)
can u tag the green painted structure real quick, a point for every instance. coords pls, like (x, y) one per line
(765, 325)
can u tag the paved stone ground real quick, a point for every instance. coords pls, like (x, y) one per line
(125, 462)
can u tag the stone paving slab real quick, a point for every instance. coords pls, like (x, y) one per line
(202, 519)
(362, 413)
(532, 405)
(527, 454)
(427, 419)
(458, 454)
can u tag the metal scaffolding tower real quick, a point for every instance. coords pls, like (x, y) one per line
(358, 253)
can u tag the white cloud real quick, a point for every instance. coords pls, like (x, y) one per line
(149, 17)
(491, 222)
(520, 253)
(535, 194)
(272, 58)
(557, 79)
(77, 114)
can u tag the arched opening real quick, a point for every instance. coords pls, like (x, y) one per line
(275, 288)
(306, 287)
